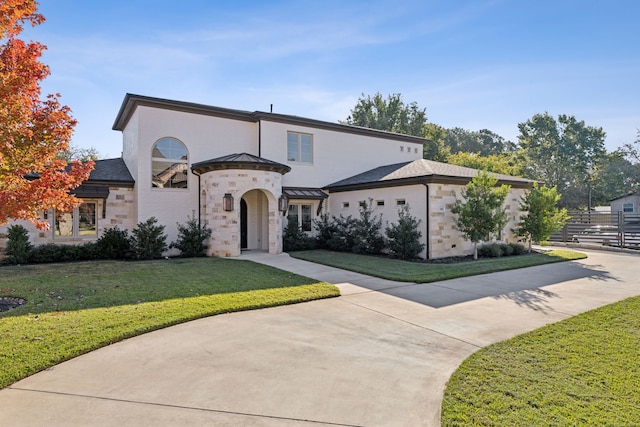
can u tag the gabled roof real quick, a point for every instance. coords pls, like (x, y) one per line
(629, 194)
(239, 161)
(419, 171)
(131, 102)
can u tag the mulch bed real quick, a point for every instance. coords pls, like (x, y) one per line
(7, 303)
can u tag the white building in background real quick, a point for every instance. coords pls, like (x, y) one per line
(242, 172)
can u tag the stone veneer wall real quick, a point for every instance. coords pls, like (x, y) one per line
(119, 212)
(445, 239)
(225, 226)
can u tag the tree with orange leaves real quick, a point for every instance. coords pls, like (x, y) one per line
(32, 130)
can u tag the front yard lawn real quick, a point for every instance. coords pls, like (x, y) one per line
(419, 272)
(71, 309)
(580, 371)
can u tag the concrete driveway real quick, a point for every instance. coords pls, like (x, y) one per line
(379, 355)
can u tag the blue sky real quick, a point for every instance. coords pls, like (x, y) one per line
(471, 64)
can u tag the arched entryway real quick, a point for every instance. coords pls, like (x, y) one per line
(254, 220)
(242, 208)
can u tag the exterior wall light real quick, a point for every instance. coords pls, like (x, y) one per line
(283, 204)
(227, 202)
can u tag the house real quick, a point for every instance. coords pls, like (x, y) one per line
(242, 172)
(629, 203)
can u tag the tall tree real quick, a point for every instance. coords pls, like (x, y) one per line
(542, 217)
(390, 114)
(483, 142)
(32, 131)
(480, 213)
(435, 148)
(563, 153)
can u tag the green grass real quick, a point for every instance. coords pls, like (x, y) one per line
(581, 371)
(74, 308)
(405, 271)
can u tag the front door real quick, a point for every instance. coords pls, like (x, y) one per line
(243, 224)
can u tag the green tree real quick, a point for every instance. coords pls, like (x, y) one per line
(506, 164)
(481, 212)
(191, 238)
(563, 153)
(148, 239)
(543, 217)
(404, 237)
(390, 114)
(483, 142)
(366, 231)
(435, 148)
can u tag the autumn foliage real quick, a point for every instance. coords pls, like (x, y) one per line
(32, 130)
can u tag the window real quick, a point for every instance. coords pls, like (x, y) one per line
(401, 202)
(627, 207)
(303, 215)
(79, 222)
(401, 148)
(169, 164)
(379, 202)
(362, 204)
(299, 147)
(345, 205)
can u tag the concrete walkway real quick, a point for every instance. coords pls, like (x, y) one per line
(379, 355)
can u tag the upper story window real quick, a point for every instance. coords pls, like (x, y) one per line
(169, 164)
(299, 147)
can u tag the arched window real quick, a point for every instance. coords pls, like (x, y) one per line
(169, 164)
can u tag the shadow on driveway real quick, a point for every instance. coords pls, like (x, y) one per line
(523, 286)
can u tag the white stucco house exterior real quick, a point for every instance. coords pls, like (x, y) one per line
(242, 172)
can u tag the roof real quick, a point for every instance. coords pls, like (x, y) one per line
(630, 194)
(105, 171)
(304, 193)
(419, 171)
(239, 161)
(111, 170)
(132, 101)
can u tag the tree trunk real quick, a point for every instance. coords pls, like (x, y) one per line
(475, 250)
(530, 240)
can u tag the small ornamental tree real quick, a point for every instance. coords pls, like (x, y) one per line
(543, 217)
(294, 239)
(191, 238)
(481, 212)
(32, 131)
(148, 240)
(404, 237)
(367, 231)
(18, 245)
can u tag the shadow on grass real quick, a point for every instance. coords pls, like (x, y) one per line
(100, 284)
(523, 286)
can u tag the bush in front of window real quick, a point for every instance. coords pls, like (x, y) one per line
(191, 238)
(114, 244)
(325, 229)
(148, 239)
(404, 237)
(18, 245)
(294, 239)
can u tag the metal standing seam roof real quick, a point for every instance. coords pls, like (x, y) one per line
(239, 161)
(304, 193)
(400, 173)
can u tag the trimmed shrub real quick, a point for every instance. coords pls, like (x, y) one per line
(343, 237)
(191, 238)
(148, 239)
(294, 239)
(506, 249)
(403, 238)
(517, 248)
(113, 244)
(490, 250)
(18, 245)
